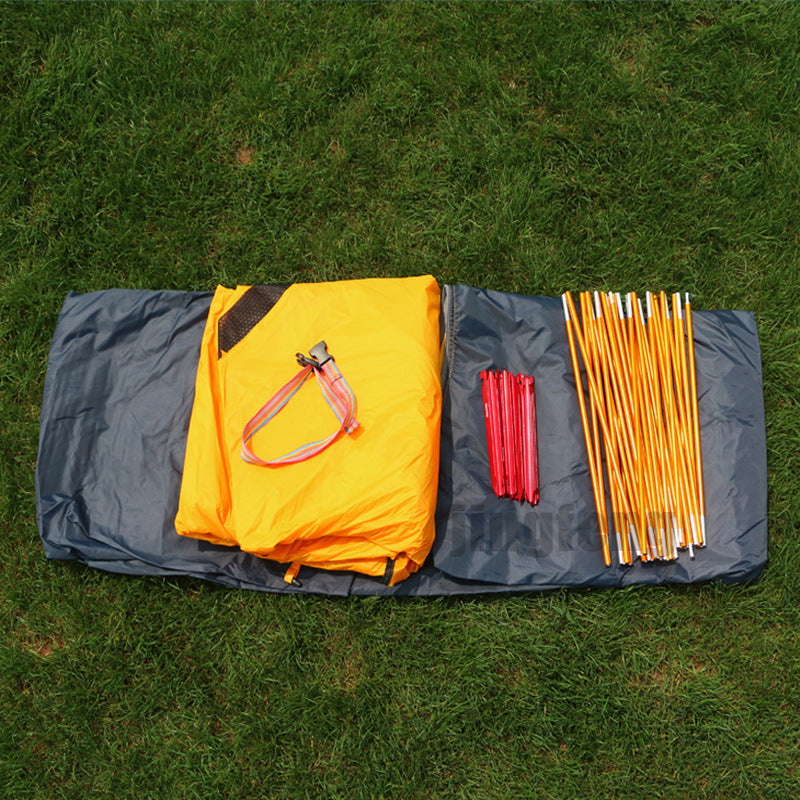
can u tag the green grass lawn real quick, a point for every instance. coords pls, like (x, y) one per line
(526, 148)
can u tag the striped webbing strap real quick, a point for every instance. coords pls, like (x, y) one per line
(334, 389)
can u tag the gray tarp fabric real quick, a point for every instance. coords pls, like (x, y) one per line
(118, 398)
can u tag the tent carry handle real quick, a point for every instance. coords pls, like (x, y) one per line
(336, 392)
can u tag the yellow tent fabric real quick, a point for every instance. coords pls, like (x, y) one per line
(366, 503)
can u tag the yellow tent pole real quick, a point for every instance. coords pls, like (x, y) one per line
(649, 446)
(593, 387)
(592, 344)
(620, 454)
(605, 400)
(687, 433)
(643, 446)
(679, 499)
(671, 490)
(653, 412)
(696, 422)
(569, 319)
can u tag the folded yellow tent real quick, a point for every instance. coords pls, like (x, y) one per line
(366, 503)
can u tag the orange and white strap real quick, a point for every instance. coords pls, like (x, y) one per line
(336, 392)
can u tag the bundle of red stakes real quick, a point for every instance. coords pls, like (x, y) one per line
(509, 409)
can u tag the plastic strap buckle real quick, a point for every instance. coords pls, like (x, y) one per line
(317, 356)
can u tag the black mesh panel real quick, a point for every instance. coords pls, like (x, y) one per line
(249, 310)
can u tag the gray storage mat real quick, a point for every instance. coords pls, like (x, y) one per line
(118, 397)
(483, 538)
